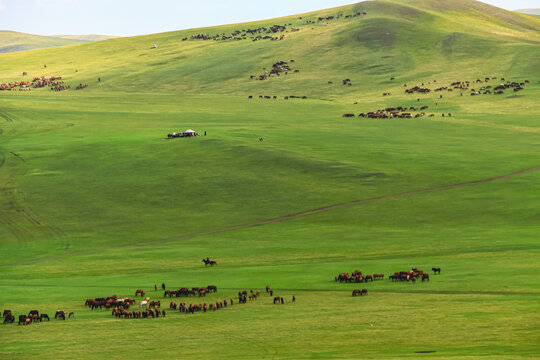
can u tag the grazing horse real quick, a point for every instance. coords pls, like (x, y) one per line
(71, 314)
(43, 317)
(357, 292)
(207, 262)
(60, 314)
(6, 312)
(33, 312)
(436, 270)
(140, 291)
(143, 303)
(425, 276)
(9, 319)
(22, 319)
(212, 288)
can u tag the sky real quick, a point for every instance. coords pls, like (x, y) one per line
(138, 17)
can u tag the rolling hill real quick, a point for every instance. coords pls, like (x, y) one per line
(93, 37)
(11, 41)
(535, 12)
(96, 200)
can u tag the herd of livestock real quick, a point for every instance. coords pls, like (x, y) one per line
(34, 316)
(481, 86)
(394, 112)
(54, 82)
(280, 67)
(245, 34)
(266, 33)
(358, 277)
(120, 307)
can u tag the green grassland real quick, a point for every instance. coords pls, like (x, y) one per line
(95, 202)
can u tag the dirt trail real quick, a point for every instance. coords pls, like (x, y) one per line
(280, 219)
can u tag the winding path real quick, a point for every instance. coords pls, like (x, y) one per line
(279, 219)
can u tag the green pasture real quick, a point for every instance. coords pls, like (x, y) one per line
(95, 201)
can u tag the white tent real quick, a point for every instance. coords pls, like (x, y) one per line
(190, 132)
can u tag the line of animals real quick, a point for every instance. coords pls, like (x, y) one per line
(154, 311)
(394, 112)
(275, 97)
(466, 85)
(246, 34)
(34, 316)
(186, 292)
(335, 17)
(358, 277)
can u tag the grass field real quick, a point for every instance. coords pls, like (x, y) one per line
(95, 202)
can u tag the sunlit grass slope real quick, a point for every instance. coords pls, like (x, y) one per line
(91, 189)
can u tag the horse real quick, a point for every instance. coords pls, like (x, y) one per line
(425, 276)
(9, 319)
(43, 317)
(60, 314)
(33, 312)
(22, 319)
(143, 303)
(6, 312)
(212, 288)
(436, 270)
(207, 262)
(140, 291)
(71, 314)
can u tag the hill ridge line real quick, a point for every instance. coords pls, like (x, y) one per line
(281, 218)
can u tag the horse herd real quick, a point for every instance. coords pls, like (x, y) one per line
(154, 309)
(281, 67)
(275, 97)
(466, 85)
(34, 316)
(394, 112)
(358, 277)
(244, 34)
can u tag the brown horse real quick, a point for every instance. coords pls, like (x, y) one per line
(140, 291)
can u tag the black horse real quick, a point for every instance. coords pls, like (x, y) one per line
(207, 262)
(436, 270)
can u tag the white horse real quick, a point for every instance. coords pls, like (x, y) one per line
(143, 303)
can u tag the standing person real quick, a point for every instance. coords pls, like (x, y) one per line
(99, 79)
(163, 286)
(205, 133)
(155, 287)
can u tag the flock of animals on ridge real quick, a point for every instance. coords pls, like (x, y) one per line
(266, 33)
(148, 308)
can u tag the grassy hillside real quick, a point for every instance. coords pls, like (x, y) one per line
(11, 41)
(95, 201)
